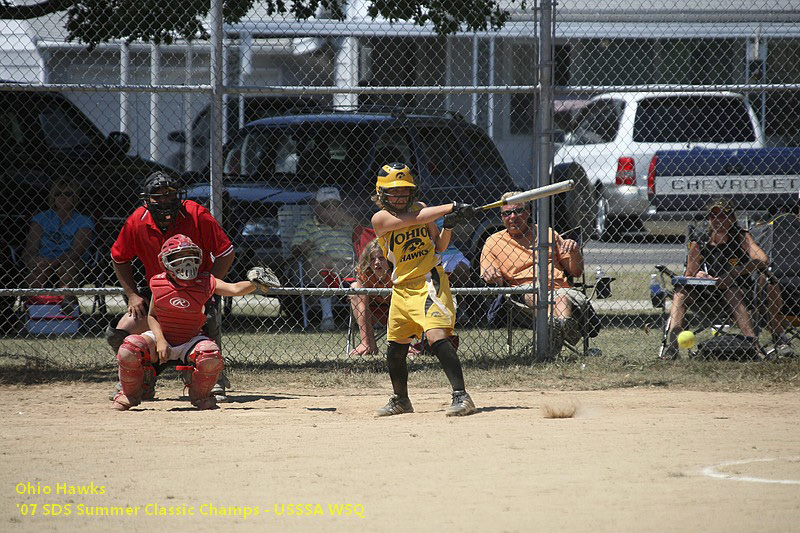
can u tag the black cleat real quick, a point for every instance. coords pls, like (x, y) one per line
(462, 404)
(396, 406)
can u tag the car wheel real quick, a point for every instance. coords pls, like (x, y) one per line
(603, 228)
(8, 320)
(574, 209)
(11, 276)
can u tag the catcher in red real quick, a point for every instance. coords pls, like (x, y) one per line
(176, 318)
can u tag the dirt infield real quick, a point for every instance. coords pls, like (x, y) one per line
(633, 459)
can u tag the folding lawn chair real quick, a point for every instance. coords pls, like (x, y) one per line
(289, 217)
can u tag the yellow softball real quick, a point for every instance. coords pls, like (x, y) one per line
(686, 339)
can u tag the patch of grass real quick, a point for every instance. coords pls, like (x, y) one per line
(317, 360)
(631, 284)
(582, 374)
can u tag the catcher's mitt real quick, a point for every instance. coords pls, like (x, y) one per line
(263, 278)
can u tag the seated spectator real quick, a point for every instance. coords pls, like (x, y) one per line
(509, 258)
(372, 272)
(326, 245)
(726, 253)
(58, 240)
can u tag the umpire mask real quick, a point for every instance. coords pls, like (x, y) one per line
(162, 197)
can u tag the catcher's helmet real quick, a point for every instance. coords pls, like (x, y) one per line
(177, 262)
(162, 205)
(391, 176)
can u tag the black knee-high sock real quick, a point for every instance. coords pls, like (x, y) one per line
(398, 369)
(448, 358)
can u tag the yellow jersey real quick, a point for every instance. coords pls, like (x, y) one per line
(410, 252)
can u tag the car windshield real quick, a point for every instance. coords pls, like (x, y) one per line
(304, 156)
(444, 158)
(685, 119)
(598, 123)
(487, 158)
(61, 130)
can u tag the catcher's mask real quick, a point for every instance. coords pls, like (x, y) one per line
(394, 176)
(162, 197)
(181, 257)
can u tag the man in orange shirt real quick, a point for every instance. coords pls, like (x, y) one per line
(509, 258)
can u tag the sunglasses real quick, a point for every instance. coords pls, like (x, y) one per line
(719, 213)
(515, 211)
(329, 204)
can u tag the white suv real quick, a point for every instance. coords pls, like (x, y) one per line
(618, 134)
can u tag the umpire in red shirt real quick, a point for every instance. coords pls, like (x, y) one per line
(164, 214)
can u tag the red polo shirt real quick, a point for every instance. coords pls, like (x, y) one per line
(140, 237)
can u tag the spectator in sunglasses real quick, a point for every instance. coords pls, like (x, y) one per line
(727, 253)
(58, 240)
(509, 258)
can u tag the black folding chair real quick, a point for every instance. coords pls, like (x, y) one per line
(780, 240)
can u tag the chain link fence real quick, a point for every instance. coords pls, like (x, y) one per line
(278, 125)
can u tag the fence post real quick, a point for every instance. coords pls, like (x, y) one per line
(545, 126)
(217, 88)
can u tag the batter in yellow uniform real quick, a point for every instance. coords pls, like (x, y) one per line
(421, 299)
(421, 288)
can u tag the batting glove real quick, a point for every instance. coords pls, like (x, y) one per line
(460, 213)
(465, 210)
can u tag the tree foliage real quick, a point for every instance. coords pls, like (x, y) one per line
(162, 21)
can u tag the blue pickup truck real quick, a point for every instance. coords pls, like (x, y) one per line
(681, 182)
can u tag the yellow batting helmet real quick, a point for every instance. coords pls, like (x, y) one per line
(394, 175)
(391, 176)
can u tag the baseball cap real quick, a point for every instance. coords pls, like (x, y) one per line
(326, 194)
(723, 204)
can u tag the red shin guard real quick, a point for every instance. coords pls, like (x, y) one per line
(208, 365)
(132, 357)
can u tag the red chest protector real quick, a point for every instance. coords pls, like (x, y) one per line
(180, 308)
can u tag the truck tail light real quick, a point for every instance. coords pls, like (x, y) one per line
(626, 171)
(651, 177)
